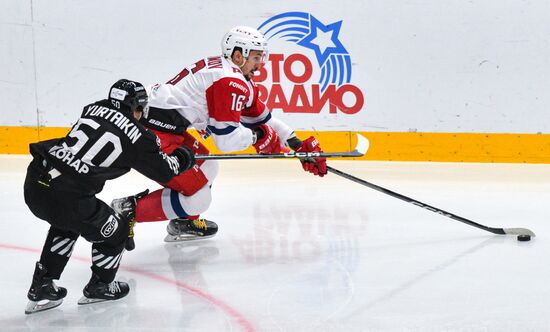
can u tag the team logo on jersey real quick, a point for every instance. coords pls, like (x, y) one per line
(323, 77)
(110, 227)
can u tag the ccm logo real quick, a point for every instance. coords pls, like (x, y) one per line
(303, 154)
(110, 227)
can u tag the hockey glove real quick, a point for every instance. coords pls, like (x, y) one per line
(185, 156)
(267, 140)
(317, 166)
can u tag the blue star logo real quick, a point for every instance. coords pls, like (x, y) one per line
(323, 39)
(305, 30)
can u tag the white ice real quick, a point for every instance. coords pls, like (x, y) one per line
(301, 253)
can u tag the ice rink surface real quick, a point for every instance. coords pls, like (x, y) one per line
(300, 253)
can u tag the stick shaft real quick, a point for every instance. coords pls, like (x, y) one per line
(299, 155)
(415, 202)
(361, 148)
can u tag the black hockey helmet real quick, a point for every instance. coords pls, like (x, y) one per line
(129, 93)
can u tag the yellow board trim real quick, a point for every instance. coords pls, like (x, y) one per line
(393, 146)
(16, 140)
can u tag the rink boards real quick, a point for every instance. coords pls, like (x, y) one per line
(385, 146)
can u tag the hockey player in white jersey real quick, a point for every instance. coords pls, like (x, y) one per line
(218, 98)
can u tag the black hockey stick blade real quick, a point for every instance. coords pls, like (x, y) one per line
(494, 230)
(359, 151)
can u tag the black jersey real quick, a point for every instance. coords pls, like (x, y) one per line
(104, 144)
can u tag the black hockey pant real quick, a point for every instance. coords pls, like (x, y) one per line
(72, 214)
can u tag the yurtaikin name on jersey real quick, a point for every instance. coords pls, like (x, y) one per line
(117, 118)
(65, 153)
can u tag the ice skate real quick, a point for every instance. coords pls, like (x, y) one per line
(126, 207)
(43, 294)
(99, 291)
(190, 229)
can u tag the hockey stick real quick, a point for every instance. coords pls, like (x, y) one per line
(359, 151)
(504, 231)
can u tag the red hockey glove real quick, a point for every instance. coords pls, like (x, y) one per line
(317, 166)
(267, 141)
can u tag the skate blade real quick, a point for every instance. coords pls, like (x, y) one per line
(88, 300)
(185, 238)
(37, 306)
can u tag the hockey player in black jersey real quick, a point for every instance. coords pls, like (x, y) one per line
(66, 174)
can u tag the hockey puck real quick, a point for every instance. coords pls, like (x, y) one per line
(524, 237)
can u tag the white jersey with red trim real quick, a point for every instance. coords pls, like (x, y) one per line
(210, 95)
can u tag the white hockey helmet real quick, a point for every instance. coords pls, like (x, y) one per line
(246, 38)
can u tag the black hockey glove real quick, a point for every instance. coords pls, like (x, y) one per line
(185, 156)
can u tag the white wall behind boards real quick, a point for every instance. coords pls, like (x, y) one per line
(427, 66)
(17, 83)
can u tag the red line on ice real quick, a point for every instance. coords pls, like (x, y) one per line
(195, 291)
